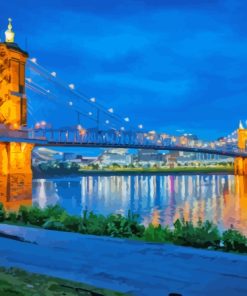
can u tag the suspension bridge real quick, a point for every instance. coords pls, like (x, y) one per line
(100, 126)
(86, 122)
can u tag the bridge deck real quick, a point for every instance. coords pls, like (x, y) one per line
(110, 139)
(150, 147)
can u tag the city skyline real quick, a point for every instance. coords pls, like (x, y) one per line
(162, 64)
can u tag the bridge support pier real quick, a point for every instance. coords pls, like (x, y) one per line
(15, 172)
(240, 166)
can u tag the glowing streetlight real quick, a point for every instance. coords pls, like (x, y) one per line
(70, 103)
(72, 86)
(140, 126)
(82, 132)
(122, 128)
(93, 100)
(127, 119)
(90, 113)
(29, 80)
(42, 123)
(107, 121)
(33, 60)
(54, 74)
(110, 110)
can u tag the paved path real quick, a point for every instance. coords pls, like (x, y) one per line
(127, 266)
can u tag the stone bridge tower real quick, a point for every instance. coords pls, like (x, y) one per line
(240, 163)
(15, 157)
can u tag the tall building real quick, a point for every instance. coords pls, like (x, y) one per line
(115, 156)
(147, 155)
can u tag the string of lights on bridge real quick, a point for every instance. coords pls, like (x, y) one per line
(91, 101)
(52, 76)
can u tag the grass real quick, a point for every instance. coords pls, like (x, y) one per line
(77, 170)
(16, 282)
(201, 235)
(162, 170)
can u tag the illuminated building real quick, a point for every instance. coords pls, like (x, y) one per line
(115, 156)
(149, 155)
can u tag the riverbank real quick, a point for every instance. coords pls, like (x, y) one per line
(134, 171)
(131, 267)
(203, 234)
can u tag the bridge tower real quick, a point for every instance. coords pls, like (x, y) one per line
(240, 163)
(15, 157)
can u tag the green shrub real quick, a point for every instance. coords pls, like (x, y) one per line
(2, 213)
(23, 214)
(203, 235)
(120, 226)
(71, 223)
(93, 224)
(55, 211)
(53, 225)
(158, 234)
(12, 216)
(36, 216)
(233, 240)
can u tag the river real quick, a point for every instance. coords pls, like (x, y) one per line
(156, 198)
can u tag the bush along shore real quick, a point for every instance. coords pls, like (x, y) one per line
(184, 233)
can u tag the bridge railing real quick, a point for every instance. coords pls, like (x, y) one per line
(127, 138)
(23, 133)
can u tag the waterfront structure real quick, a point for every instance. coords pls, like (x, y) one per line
(187, 158)
(67, 156)
(240, 163)
(115, 156)
(15, 156)
(43, 154)
(148, 155)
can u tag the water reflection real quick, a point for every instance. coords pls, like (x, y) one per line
(158, 198)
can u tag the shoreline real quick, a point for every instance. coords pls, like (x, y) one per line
(111, 172)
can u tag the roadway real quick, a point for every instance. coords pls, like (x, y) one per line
(127, 266)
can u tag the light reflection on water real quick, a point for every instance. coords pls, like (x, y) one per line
(157, 198)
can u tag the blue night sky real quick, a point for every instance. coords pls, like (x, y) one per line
(168, 64)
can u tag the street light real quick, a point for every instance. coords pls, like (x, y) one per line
(37, 125)
(33, 60)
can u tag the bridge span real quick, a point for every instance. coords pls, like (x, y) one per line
(112, 139)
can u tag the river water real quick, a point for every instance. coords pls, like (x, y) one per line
(156, 198)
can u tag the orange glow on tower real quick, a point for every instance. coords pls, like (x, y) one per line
(240, 163)
(15, 158)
